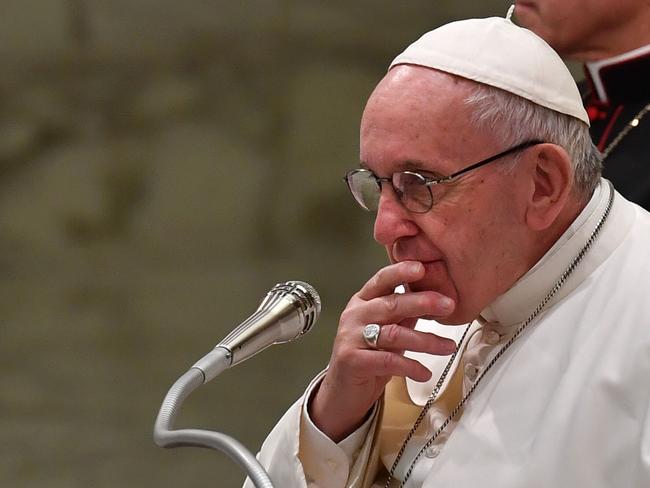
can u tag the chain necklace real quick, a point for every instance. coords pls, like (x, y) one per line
(552, 292)
(628, 127)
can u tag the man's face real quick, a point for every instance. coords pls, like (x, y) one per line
(472, 241)
(579, 29)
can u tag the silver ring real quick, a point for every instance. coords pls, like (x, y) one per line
(371, 335)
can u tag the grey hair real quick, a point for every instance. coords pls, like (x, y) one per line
(514, 119)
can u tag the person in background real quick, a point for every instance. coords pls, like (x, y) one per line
(612, 39)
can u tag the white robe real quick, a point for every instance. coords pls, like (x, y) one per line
(568, 405)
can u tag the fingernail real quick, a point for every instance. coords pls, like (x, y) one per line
(451, 347)
(446, 304)
(415, 267)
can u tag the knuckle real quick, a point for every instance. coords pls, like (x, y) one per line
(390, 303)
(385, 274)
(427, 300)
(388, 362)
(346, 355)
(432, 300)
(423, 301)
(391, 334)
(346, 316)
(376, 280)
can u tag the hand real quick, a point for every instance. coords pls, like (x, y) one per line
(357, 374)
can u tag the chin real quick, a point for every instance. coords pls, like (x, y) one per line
(436, 278)
(454, 319)
(444, 286)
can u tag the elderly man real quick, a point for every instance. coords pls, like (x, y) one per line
(613, 40)
(476, 158)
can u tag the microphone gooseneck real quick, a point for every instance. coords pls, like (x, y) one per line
(287, 312)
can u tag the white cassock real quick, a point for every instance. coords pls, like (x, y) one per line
(568, 405)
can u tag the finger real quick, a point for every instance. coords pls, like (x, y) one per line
(387, 279)
(397, 338)
(409, 322)
(396, 307)
(386, 363)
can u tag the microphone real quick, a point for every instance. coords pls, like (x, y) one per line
(288, 311)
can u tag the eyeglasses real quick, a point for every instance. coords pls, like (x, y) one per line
(416, 192)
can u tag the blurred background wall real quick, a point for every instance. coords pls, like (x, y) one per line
(162, 165)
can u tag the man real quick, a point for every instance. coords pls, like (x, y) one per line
(613, 40)
(476, 156)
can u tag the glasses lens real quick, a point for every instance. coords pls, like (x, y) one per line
(413, 191)
(365, 188)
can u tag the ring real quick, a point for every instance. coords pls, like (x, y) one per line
(371, 335)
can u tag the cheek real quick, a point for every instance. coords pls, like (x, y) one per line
(458, 247)
(476, 249)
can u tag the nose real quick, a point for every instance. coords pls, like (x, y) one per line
(393, 220)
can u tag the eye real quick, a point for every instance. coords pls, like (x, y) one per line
(415, 194)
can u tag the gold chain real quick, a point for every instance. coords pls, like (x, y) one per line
(629, 126)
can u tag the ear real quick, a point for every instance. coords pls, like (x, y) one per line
(552, 174)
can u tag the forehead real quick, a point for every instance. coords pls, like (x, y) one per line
(417, 118)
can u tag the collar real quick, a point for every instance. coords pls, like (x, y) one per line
(509, 310)
(622, 78)
(514, 306)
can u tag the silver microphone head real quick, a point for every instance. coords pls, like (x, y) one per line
(303, 295)
(288, 311)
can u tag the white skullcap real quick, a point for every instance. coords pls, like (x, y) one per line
(499, 53)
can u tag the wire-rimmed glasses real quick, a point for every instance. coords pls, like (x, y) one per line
(417, 193)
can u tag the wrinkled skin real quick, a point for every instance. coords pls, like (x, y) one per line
(455, 259)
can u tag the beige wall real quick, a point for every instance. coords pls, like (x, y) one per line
(162, 165)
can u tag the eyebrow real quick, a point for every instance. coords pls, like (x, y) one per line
(409, 165)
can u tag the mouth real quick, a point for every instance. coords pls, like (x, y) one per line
(431, 267)
(435, 274)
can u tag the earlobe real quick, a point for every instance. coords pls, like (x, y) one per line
(552, 177)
